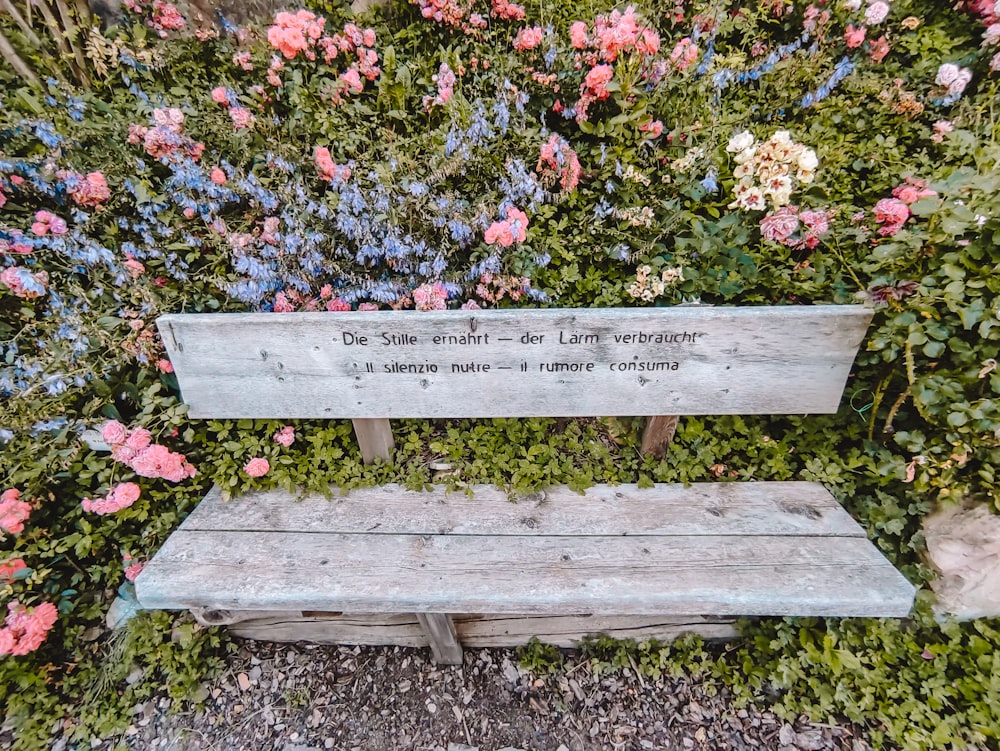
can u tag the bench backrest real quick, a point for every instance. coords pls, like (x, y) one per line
(515, 363)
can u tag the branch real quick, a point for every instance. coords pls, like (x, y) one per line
(22, 68)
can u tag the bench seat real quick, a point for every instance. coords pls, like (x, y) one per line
(710, 549)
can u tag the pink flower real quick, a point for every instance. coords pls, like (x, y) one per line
(257, 467)
(528, 39)
(218, 176)
(684, 53)
(912, 191)
(121, 496)
(367, 306)
(113, 432)
(242, 118)
(9, 569)
(122, 453)
(817, 224)
(135, 268)
(338, 305)
(892, 214)
(878, 49)
(164, 365)
(780, 225)
(138, 439)
(46, 222)
(219, 96)
(854, 37)
(91, 190)
(430, 297)
(160, 462)
(578, 35)
(23, 283)
(558, 157)
(285, 436)
(133, 570)
(352, 80)
(13, 511)
(25, 629)
(654, 128)
(597, 79)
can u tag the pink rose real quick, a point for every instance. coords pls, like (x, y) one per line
(578, 35)
(219, 96)
(113, 432)
(854, 36)
(285, 436)
(257, 467)
(218, 176)
(138, 439)
(780, 225)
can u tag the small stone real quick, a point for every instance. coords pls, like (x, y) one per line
(687, 743)
(328, 743)
(461, 747)
(432, 707)
(244, 680)
(786, 736)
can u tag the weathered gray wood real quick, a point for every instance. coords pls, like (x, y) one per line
(569, 362)
(640, 575)
(474, 631)
(658, 434)
(773, 509)
(374, 439)
(441, 637)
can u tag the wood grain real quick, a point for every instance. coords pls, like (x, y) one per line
(718, 508)
(576, 362)
(441, 636)
(474, 631)
(658, 434)
(639, 575)
(374, 439)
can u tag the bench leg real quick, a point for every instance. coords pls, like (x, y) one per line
(374, 438)
(658, 434)
(444, 640)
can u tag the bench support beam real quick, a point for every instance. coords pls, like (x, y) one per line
(443, 638)
(658, 434)
(374, 438)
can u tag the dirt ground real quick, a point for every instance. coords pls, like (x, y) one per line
(312, 698)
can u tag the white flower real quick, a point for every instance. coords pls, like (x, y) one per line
(992, 35)
(740, 142)
(876, 12)
(805, 176)
(956, 87)
(852, 5)
(946, 74)
(995, 63)
(808, 160)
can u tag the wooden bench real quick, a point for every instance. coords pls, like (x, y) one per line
(388, 565)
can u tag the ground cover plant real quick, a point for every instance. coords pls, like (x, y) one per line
(487, 154)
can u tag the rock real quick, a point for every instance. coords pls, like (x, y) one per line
(963, 545)
(810, 740)
(461, 747)
(244, 681)
(786, 736)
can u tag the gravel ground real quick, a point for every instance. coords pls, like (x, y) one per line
(312, 698)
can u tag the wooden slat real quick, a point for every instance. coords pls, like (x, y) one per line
(658, 434)
(640, 575)
(570, 362)
(474, 631)
(374, 439)
(717, 508)
(441, 637)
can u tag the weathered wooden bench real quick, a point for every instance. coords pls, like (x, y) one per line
(389, 565)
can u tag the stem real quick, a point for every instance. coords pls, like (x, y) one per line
(25, 27)
(22, 68)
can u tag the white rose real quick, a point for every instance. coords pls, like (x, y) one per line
(961, 81)
(740, 142)
(807, 160)
(876, 12)
(946, 74)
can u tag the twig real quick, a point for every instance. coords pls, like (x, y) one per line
(22, 68)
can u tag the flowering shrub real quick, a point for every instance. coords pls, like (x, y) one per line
(470, 154)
